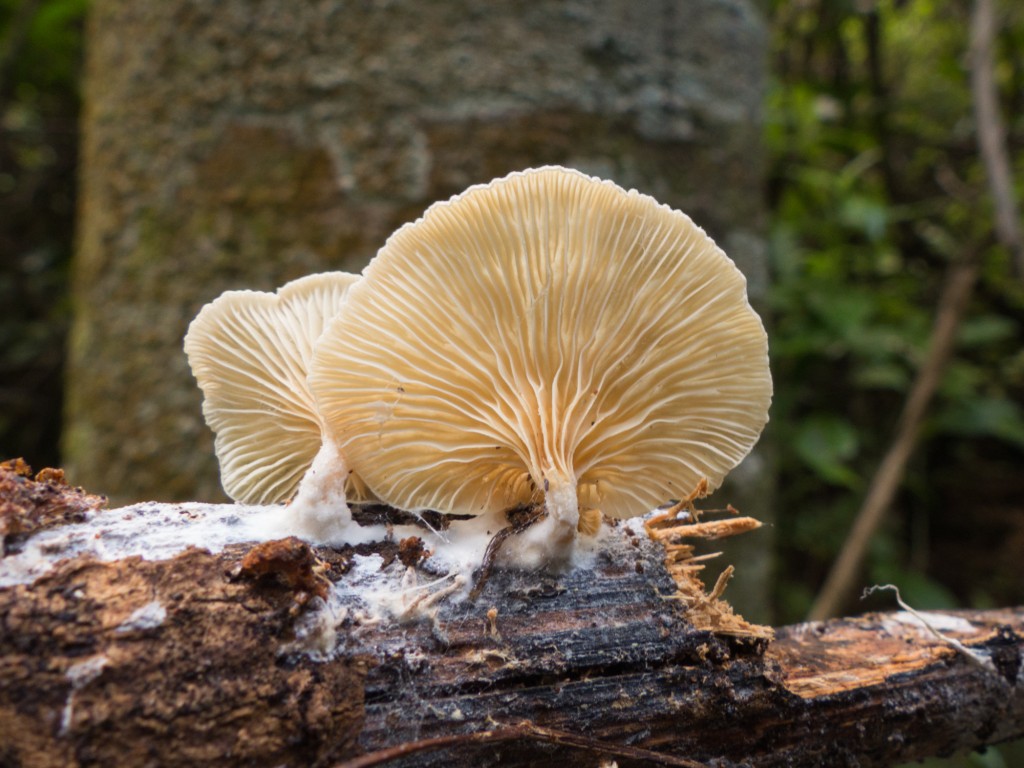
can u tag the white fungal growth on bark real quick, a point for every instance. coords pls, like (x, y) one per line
(79, 675)
(156, 531)
(149, 616)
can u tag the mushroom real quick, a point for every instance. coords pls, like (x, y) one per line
(250, 352)
(549, 339)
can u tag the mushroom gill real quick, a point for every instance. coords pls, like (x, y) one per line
(250, 353)
(545, 338)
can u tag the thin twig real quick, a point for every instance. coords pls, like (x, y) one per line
(520, 518)
(523, 730)
(972, 656)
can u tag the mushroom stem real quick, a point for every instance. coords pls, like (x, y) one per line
(550, 541)
(561, 501)
(319, 510)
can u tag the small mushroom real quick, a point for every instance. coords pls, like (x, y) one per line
(250, 352)
(545, 338)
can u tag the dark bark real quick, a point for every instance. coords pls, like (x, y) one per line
(195, 661)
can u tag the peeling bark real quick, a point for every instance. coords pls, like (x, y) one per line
(213, 659)
(28, 505)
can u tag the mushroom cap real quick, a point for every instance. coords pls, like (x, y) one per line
(545, 326)
(250, 352)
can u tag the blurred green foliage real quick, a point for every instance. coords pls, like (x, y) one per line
(40, 59)
(875, 187)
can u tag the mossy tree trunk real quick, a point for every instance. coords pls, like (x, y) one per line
(235, 145)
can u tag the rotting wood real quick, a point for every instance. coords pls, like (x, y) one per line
(30, 504)
(191, 661)
(677, 528)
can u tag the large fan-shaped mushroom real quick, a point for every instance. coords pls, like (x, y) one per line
(548, 337)
(250, 352)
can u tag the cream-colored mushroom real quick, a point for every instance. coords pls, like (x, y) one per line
(548, 337)
(250, 352)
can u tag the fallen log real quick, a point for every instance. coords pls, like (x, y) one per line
(269, 654)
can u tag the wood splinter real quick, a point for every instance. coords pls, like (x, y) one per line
(672, 529)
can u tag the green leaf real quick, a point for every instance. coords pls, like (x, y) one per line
(995, 416)
(962, 380)
(826, 444)
(987, 329)
(868, 216)
(882, 375)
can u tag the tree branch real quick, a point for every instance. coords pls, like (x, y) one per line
(991, 133)
(953, 302)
